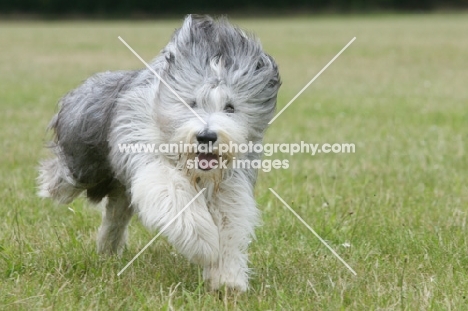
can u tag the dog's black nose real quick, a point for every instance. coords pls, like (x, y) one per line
(207, 136)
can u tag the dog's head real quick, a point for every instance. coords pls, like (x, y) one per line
(226, 79)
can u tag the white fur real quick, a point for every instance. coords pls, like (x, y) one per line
(232, 85)
(217, 227)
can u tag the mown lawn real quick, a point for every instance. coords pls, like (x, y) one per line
(396, 210)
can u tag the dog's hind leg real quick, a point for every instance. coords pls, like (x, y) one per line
(55, 181)
(112, 234)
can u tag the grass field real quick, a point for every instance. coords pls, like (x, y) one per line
(399, 93)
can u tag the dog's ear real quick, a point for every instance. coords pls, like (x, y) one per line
(276, 80)
(197, 21)
(192, 27)
(266, 62)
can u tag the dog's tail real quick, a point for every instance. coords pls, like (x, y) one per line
(55, 181)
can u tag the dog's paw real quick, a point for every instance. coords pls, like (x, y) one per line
(229, 279)
(107, 251)
(110, 245)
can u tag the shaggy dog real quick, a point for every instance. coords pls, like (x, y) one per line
(229, 86)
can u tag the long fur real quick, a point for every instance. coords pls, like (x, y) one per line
(210, 64)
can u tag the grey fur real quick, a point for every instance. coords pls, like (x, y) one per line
(82, 124)
(232, 85)
(81, 130)
(250, 72)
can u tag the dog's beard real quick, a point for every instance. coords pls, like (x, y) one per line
(199, 176)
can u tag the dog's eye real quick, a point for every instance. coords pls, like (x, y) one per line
(229, 108)
(192, 104)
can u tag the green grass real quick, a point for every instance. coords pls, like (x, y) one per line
(399, 93)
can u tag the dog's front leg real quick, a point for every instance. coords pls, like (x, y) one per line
(158, 194)
(235, 213)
